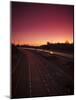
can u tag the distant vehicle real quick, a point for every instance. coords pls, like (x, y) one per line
(51, 52)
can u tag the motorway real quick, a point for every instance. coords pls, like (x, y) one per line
(39, 73)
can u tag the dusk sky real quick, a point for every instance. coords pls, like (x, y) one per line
(35, 24)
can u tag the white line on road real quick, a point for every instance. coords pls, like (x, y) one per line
(30, 83)
(17, 63)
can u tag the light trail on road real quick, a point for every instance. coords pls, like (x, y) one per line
(52, 52)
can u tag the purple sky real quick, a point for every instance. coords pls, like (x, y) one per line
(35, 24)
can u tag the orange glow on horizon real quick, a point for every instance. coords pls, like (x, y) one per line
(37, 39)
(38, 43)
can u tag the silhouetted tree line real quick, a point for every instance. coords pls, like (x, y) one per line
(14, 50)
(64, 47)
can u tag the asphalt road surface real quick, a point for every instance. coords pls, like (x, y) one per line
(36, 73)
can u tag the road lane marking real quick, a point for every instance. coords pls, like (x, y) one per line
(44, 82)
(17, 63)
(30, 82)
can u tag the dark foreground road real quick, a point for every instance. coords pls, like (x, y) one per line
(37, 73)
